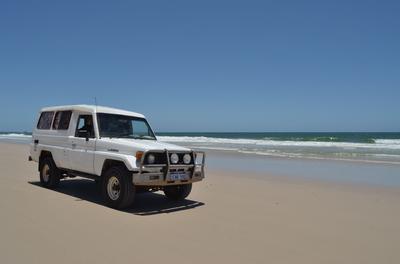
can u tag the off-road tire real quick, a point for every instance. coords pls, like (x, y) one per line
(49, 173)
(126, 188)
(178, 192)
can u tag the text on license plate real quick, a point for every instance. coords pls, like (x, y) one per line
(176, 176)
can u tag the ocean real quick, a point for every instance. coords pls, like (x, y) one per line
(370, 147)
(379, 147)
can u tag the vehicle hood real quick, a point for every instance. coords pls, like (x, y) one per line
(141, 144)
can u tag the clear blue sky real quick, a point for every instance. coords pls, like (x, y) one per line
(206, 65)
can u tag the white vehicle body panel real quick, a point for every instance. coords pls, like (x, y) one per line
(127, 149)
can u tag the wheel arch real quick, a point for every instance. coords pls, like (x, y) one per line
(109, 163)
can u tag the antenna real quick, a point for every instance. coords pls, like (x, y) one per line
(95, 116)
(95, 102)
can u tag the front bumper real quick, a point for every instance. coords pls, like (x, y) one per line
(160, 174)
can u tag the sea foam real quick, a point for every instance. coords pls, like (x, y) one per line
(379, 143)
(15, 135)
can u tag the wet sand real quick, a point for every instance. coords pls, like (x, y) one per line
(228, 218)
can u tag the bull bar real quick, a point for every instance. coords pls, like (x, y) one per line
(159, 174)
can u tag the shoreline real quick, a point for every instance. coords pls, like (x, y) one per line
(333, 171)
(301, 158)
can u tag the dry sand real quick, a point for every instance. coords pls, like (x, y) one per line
(228, 219)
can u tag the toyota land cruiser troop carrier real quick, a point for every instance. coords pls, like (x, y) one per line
(116, 148)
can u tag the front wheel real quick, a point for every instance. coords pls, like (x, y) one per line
(178, 192)
(117, 188)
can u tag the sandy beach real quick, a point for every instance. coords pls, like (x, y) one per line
(229, 218)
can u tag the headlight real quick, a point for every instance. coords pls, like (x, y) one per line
(174, 158)
(187, 158)
(151, 159)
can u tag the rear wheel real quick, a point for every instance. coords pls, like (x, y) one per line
(49, 173)
(117, 188)
(178, 192)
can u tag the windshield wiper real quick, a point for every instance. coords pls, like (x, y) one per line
(147, 137)
(129, 135)
(144, 137)
(124, 135)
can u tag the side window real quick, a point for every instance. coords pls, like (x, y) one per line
(45, 120)
(85, 126)
(61, 120)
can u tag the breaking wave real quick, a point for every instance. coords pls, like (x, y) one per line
(377, 143)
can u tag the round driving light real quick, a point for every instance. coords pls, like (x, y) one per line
(174, 158)
(151, 159)
(187, 158)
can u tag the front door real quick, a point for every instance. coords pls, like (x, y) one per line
(82, 145)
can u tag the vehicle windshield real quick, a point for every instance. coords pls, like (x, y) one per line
(120, 126)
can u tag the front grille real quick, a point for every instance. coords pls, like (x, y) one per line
(161, 158)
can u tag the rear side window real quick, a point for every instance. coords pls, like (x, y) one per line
(45, 120)
(61, 120)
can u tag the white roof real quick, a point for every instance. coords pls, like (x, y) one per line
(92, 109)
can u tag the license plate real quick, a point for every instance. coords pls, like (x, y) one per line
(176, 176)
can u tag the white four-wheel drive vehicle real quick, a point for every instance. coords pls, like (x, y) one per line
(116, 148)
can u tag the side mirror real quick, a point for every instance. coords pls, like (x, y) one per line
(84, 133)
(87, 135)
